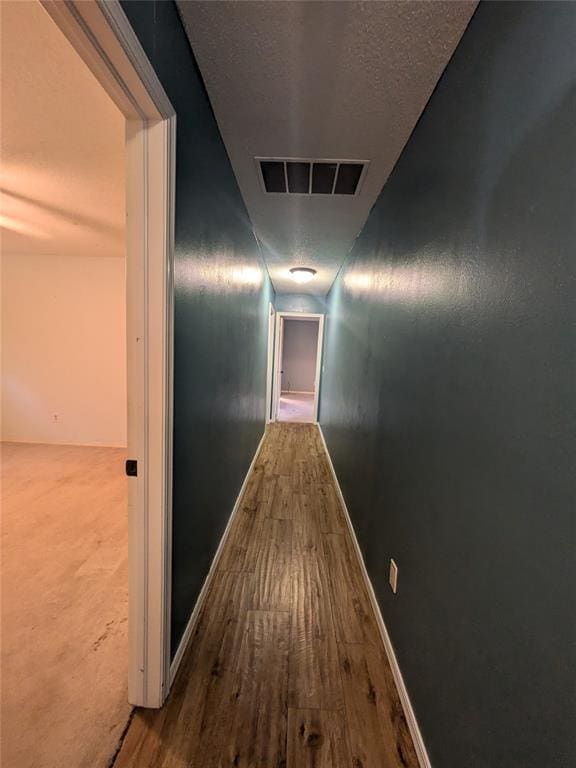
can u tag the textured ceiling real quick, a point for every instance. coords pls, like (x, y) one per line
(62, 145)
(343, 80)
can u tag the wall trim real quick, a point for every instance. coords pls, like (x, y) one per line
(103, 37)
(133, 50)
(194, 616)
(270, 360)
(419, 745)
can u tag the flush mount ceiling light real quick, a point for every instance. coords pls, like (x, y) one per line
(302, 274)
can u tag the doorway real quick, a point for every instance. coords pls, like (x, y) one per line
(297, 367)
(94, 536)
(106, 42)
(64, 403)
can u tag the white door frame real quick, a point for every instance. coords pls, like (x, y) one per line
(101, 33)
(278, 352)
(278, 345)
(270, 365)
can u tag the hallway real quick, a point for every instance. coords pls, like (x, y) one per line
(256, 258)
(286, 666)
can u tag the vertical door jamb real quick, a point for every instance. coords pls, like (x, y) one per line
(278, 347)
(318, 374)
(103, 37)
(270, 363)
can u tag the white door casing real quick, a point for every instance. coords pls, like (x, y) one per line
(105, 40)
(278, 345)
(270, 365)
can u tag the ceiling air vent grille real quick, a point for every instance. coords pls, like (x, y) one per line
(296, 176)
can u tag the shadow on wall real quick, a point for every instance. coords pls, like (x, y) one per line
(546, 199)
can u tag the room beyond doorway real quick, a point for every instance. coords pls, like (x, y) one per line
(297, 367)
(296, 407)
(64, 399)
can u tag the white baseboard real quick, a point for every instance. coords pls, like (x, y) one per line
(419, 745)
(190, 627)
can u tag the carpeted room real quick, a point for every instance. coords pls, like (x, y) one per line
(64, 496)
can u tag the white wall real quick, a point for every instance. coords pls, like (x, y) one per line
(62, 228)
(299, 355)
(63, 349)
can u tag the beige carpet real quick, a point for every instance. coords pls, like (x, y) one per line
(296, 406)
(64, 605)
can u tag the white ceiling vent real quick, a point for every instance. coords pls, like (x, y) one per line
(297, 176)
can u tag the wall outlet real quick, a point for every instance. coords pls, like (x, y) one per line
(393, 577)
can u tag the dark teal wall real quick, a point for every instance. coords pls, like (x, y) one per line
(300, 302)
(221, 316)
(449, 396)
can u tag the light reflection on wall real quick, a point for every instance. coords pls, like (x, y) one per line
(247, 275)
(415, 283)
(20, 226)
(44, 204)
(214, 273)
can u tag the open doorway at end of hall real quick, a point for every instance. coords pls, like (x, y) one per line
(298, 368)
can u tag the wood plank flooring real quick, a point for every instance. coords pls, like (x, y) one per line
(286, 668)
